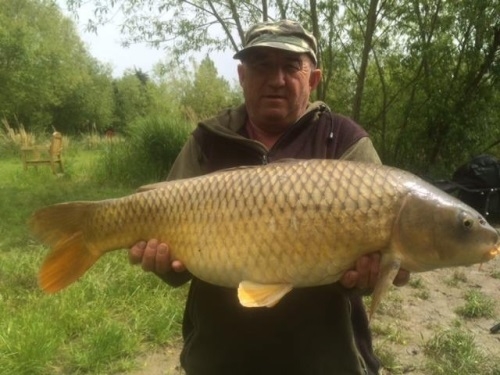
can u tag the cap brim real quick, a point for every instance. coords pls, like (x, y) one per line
(275, 45)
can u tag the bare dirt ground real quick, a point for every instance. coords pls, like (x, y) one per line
(408, 318)
(164, 362)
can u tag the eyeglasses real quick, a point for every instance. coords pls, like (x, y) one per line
(266, 65)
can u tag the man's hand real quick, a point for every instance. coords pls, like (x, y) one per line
(154, 257)
(364, 275)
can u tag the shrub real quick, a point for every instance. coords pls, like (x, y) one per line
(149, 150)
(12, 139)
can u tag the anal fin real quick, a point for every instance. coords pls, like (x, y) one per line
(251, 294)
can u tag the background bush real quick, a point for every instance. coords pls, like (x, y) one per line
(146, 153)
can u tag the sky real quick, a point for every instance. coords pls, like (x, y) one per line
(106, 47)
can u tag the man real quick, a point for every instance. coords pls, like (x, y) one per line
(318, 330)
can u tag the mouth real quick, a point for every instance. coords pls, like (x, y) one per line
(274, 97)
(494, 252)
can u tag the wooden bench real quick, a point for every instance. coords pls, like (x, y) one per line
(43, 155)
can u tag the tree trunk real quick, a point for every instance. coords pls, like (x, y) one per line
(367, 47)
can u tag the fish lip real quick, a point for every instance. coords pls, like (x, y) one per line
(494, 251)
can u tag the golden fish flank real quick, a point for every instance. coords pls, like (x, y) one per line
(268, 229)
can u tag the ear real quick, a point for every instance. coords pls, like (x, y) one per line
(315, 78)
(241, 73)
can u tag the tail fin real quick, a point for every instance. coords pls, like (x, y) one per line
(62, 227)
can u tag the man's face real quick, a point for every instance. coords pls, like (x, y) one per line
(276, 85)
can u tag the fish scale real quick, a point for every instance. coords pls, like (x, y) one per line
(292, 222)
(267, 229)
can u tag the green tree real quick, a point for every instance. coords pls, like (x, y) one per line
(90, 105)
(44, 67)
(184, 27)
(207, 93)
(134, 97)
(444, 95)
(422, 76)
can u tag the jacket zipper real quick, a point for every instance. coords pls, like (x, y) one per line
(265, 154)
(303, 119)
(265, 159)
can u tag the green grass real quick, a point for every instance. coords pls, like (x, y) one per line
(98, 325)
(458, 277)
(477, 305)
(421, 290)
(389, 360)
(115, 312)
(454, 352)
(390, 332)
(416, 282)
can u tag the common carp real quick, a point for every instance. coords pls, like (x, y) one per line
(268, 229)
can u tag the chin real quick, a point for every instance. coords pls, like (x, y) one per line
(275, 120)
(274, 116)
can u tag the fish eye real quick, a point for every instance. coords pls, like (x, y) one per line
(466, 220)
(468, 223)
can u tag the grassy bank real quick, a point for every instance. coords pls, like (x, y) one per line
(99, 324)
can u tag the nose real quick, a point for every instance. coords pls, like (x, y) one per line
(276, 76)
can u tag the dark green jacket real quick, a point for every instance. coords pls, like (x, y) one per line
(312, 331)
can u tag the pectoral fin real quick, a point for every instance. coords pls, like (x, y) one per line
(253, 294)
(389, 267)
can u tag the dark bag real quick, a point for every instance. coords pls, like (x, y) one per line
(478, 183)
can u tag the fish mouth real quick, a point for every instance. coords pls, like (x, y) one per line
(494, 252)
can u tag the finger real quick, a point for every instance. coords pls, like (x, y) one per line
(363, 268)
(136, 252)
(162, 261)
(149, 256)
(349, 279)
(178, 266)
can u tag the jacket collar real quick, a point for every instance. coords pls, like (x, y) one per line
(233, 120)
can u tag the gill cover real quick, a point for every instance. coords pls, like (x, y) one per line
(436, 230)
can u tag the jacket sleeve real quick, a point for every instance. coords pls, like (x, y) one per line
(188, 162)
(186, 165)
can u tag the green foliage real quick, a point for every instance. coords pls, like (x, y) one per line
(133, 94)
(207, 93)
(147, 153)
(12, 138)
(431, 93)
(43, 64)
(422, 77)
(197, 89)
(90, 106)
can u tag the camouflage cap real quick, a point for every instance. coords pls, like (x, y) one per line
(285, 34)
